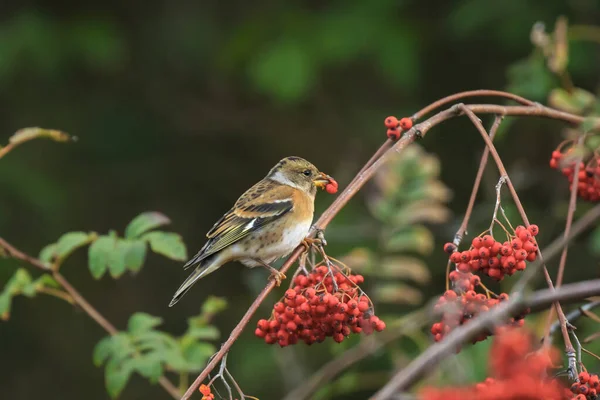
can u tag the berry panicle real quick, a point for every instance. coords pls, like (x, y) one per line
(323, 303)
(489, 257)
(588, 185)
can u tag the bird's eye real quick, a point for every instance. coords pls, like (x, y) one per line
(307, 172)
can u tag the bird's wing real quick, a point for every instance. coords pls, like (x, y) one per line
(262, 204)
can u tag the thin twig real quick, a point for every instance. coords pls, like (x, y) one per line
(563, 256)
(472, 93)
(574, 315)
(482, 164)
(80, 301)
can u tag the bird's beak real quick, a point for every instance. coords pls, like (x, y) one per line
(321, 180)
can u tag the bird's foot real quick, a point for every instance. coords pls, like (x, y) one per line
(277, 277)
(318, 241)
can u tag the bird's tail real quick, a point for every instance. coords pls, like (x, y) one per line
(205, 267)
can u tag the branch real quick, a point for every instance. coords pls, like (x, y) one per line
(419, 130)
(569, 349)
(431, 357)
(80, 301)
(371, 344)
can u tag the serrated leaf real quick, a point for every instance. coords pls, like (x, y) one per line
(197, 353)
(207, 332)
(145, 222)
(117, 376)
(150, 366)
(46, 280)
(175, 360)
(102, 350)
(48, 253)
(590, 123)
(135, 255)
(141, 322)
(99, 255)
(71, 241)
(116, 260)
(168, 244)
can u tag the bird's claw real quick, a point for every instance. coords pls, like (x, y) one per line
(277, 277)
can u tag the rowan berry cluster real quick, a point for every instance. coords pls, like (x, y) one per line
(519, 372)
(395, 127)
(322, 303)
(493, 258)
(457, 310)
(588, 186)
(587, 387)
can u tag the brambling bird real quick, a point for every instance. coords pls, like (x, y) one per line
(266, 223)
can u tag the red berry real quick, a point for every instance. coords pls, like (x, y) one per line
(393, 134)
(391, 122)
(332, 186)
(260, 333)
(488, 241)
(449, 248)
(533, 229)
(406, 123)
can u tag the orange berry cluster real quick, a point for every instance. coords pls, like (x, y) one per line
(315, 308)
(587, 387)
(457, 310)
(588, 186)
(395, 127)
(206, 392)
(493, 258)
(519, 372)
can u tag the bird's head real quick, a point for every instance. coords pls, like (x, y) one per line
(299, 173)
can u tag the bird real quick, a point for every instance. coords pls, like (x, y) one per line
(266, 223)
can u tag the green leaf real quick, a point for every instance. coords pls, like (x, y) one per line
(5, 301)
(46, 280)
(145, 222)
(135, 255)
(116, 260)
(142, 322)
(103, 350)
(208, 332)
(577, 102)
(150, 366)
(168, 244)
(197, 353)
(48, 253)
(99, 255)
(71, 241)
(117, 376)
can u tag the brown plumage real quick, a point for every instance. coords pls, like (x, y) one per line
(267, 222)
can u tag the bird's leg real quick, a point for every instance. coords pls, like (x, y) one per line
(318, 241)
(275, 274)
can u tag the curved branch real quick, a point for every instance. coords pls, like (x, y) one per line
(363, 176)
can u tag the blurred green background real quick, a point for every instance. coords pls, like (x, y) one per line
(181, 106)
